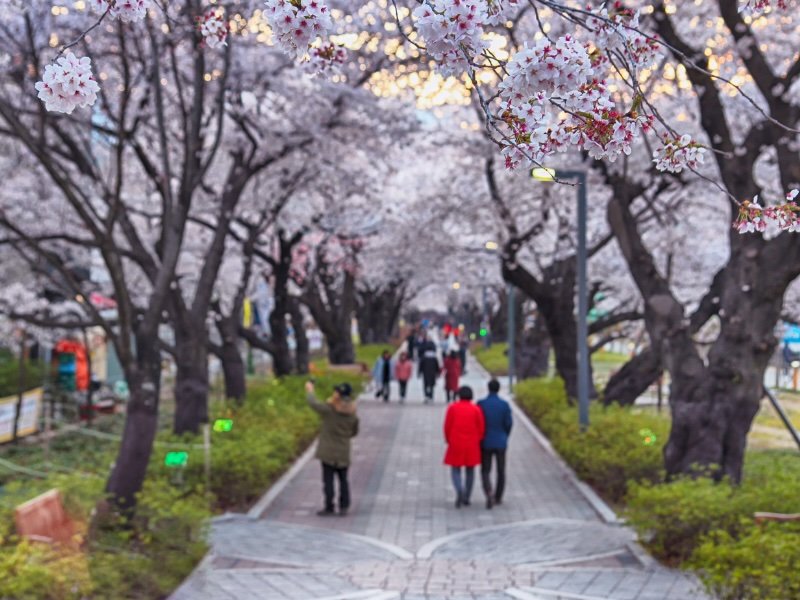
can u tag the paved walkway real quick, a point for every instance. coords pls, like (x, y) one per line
(404, 538)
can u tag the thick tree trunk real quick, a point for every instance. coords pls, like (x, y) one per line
(377, 311)
(141, 423)
(301, 350)
(633, 379)
(191, 378)
(533, 352)
(282, 363)
(340, 346)
(233, 367)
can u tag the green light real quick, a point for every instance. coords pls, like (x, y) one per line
(483, 332)
(176, 459)
(648, 437)
(223, 425)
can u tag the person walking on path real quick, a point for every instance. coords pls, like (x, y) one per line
(498, 421)
(452, 373)
(382, 374)
(411, 343)
(428, 367)
(339, 425)
(402, 372)
(463, 431)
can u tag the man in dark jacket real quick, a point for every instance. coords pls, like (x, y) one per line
(428, 366)
(497, 416)
(339, 424)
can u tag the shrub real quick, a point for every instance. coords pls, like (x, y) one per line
(761, 564)
(620, 446)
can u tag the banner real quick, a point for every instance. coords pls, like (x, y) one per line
(28, 418)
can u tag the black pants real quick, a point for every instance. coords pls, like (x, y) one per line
(403, 385)
(427, 384)
(328, 472)
(386, 390)
(499, 455)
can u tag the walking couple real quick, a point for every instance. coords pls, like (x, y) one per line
(386, 370)
(477, 435)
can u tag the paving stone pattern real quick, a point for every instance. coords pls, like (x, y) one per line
(404, 538)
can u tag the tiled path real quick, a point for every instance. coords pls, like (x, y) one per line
(404, 538)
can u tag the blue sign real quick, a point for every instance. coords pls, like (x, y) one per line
(791, 334)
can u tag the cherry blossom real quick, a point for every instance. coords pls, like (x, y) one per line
(68, 84)
(754, 7)
(618, 30)
(753, 217)
(125, 10)
(678, 154)
(452, 31)
(297, 23)
(326, 59)
(214, 28)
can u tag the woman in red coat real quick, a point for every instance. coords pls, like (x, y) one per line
(463, 432)
(452, 372)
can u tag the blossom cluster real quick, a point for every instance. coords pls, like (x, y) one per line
(297, 23)
(214, 28)
(453, 31)
(326, 59)
(678, 154)
(499, 11)
(555, 101)
(754, 7)
(68, 84)
(125, 10)
(618, 30)
(755, 218)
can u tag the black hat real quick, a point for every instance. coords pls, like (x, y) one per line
(345, 390)
(465, 392)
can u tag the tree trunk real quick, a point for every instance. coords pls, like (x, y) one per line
(377, 311)
(633, 379)
(233, 367)
(533, 351)
(301, 350)
(141, 423)
(340, 346)
(191, 378)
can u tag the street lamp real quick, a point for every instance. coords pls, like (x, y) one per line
(542, 174)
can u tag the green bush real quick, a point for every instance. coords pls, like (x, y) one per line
(9, 374)
(675, 518)
(494, 358)
(150, 555)
(761, 564)
(619, 447)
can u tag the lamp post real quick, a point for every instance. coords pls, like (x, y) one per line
(541, 174)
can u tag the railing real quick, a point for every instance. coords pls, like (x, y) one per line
(782, 414)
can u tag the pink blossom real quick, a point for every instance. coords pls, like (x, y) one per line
(125, 10)
(68, 84)
(214, 28)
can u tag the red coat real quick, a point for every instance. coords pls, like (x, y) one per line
(452, 372)
(463, 432)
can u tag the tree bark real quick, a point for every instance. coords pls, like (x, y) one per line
(301, 350)
(633, 379)
(233, 367)
(533, 351)
(333, 312)
(141, 423)
(377, 311)
(191, 378)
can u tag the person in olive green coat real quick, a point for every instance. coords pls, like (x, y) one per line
(339, 424)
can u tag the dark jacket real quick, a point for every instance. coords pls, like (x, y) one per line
(339, 424)
(497, 415)
(428, 362)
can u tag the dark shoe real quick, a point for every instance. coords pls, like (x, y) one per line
(489, 504)
(498, 500)
(343, 512)
(458, 503)
(325, 513)
(465, 502)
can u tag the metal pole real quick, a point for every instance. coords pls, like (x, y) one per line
(512, 326)
(583, 307)
(485, 317)
(779, 409)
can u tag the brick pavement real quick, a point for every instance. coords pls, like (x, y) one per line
(404, 538)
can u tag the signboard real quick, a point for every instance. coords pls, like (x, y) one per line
(28, 418)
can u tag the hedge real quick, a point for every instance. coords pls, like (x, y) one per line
(150, 556)
(696, 524)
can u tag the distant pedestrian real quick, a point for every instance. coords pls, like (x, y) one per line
(463, 431)
(462, 353)
(382, 374)
(411, 343)
(498, 420)
(428, 367)
(402, 372)
(452, 374)
(339, 425)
